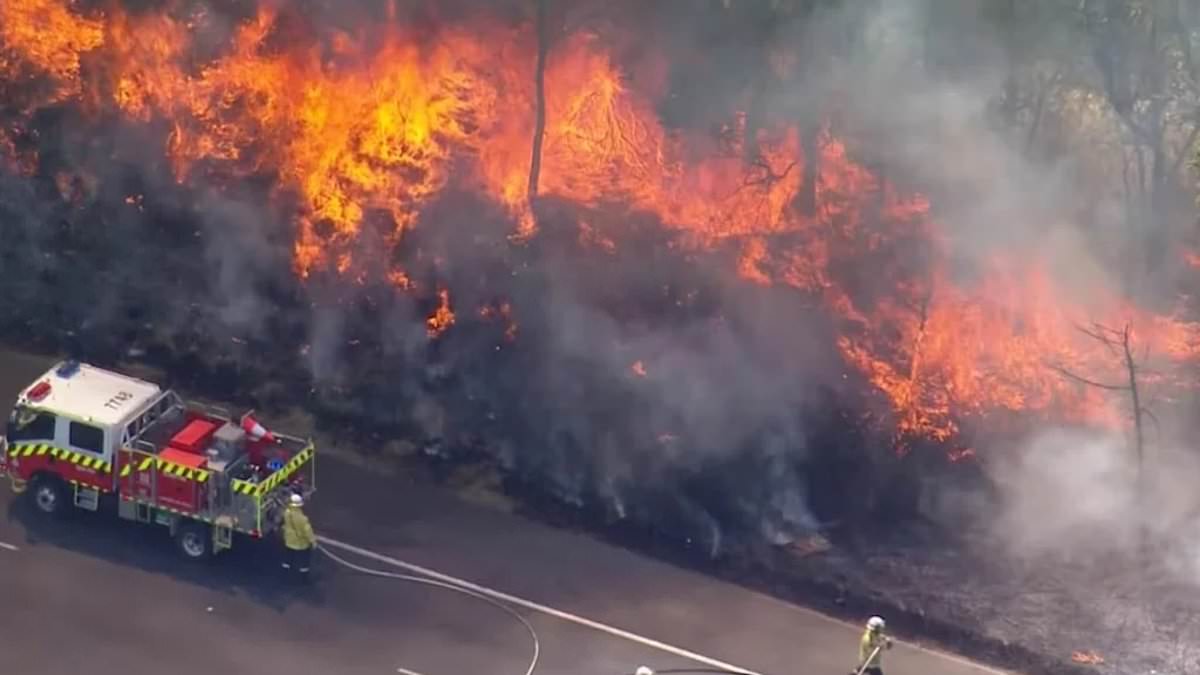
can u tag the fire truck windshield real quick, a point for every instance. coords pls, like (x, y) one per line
(18, 419)
(29, 425)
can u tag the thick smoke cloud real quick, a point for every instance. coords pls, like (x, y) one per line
(240, 257)
(728, 389)
(932, 127)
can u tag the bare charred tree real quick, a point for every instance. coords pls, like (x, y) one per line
(539, 125)
(1120, 343)
(812, 167)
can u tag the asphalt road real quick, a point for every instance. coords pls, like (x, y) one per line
(96, 595)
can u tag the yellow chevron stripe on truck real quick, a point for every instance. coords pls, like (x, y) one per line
(181, 471)
(244, 487)
(168, 468)
(21, 450)
(276, 479)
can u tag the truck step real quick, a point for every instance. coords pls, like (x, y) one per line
(223, 534)
(87, 498)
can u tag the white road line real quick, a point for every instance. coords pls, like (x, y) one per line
(530, 605)
(8, 547)
(406, 671)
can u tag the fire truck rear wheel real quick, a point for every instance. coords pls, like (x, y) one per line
(49, 495)
(195, 541)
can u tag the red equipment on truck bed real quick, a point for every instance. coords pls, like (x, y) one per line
(195, 436)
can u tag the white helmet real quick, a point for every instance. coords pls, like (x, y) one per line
(875, 623)
(643, 670)
(297, 500)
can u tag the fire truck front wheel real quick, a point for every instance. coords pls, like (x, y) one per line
(194, 540)
(49, 495)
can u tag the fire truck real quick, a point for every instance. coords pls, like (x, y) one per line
(81, 436)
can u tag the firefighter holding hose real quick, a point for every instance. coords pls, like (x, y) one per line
(298, 538)
(871, 646)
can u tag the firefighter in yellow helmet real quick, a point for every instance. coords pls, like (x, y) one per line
(871, 646)
(298, 537)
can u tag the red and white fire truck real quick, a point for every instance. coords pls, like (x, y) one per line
(81, 436)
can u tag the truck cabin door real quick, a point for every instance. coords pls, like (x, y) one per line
(27, 431)
(90, 461)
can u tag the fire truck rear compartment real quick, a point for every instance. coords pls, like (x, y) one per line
(198, 463)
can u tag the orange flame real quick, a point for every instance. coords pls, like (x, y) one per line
(1089, 657)
(356, 133)
(45, 38)
(442, 317)
(501, 311)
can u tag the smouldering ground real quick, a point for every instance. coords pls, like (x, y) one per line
(1137, 618)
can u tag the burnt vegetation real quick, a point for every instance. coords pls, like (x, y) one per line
(750, 277)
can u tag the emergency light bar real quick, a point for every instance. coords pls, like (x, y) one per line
(67, 369)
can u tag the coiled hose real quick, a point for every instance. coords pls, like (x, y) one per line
(537, 644)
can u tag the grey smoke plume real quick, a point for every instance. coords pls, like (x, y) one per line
(714, 389)
(240, 257)
(1074, 496)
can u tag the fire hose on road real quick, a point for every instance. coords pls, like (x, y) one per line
(536, 656)
(644, 670)
(536, 642)
(537, 645)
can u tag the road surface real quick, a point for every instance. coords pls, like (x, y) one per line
(90, 594)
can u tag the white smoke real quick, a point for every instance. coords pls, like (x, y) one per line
(1074, 496)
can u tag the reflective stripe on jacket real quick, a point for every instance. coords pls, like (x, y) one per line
(297, 531)
(871, 640)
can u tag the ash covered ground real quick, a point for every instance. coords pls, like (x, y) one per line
(786, 269)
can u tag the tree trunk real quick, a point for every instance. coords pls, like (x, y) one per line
(810, 142)
(754, 118)
(914, 366)
(1138, 223)
(1121, 342)
(1039, 106)
(928, 30)
(1139, 442)
(1139, 435)
(1156, 128)
(1011, 105)
(539, 125)
(1159, 229)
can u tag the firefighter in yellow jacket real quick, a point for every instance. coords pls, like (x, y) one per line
(871, 646)
(298, 537)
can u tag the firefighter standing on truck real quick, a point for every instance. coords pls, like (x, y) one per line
(871, 646)
(298, 537)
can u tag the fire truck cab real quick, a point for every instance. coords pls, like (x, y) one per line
(80, 436)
